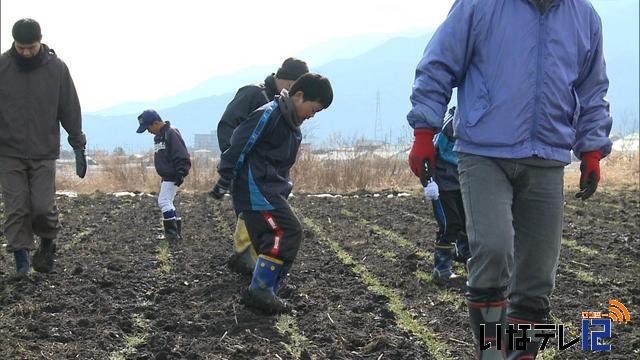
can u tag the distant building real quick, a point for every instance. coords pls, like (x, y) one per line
(206, 142)
(369, 145)
(627, 144)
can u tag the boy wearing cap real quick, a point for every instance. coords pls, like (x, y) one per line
(172, 162)
(263, 150)
(248, 99)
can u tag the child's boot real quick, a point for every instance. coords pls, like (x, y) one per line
(443, 260)
(171, 229)
(243, 260)
(179, 226)
(463, 253)
(262, 291)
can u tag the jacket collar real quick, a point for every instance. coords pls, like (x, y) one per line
(287, 110)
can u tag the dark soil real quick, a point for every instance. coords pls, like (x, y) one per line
(113, 297)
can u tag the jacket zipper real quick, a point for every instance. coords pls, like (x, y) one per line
(539, 78)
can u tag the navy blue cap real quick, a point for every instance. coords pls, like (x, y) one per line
(147, 118)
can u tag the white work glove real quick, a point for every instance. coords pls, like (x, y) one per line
(431, 191)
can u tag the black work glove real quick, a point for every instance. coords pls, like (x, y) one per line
(179, 179)
(221, 188)
(81, 162)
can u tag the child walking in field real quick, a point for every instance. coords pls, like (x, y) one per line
(256, 168)
(172, 162)
(444, 193)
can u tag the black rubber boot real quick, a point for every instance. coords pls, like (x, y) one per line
(179, 226)
(22, 261)
(487, 309)
(171, 230)
(517, 315)
(242, 263)
(44, 256)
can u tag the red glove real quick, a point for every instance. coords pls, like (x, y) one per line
(590, 169)
(422, 157)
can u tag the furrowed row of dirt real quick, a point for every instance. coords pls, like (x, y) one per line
(360, 287)
(585, 280)
(339, 317)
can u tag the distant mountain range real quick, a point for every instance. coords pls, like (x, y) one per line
(372, 77)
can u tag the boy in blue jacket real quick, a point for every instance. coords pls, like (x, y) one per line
(247, 99)
(256, 168)
(444, 193)
(172, 162)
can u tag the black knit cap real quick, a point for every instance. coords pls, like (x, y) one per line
(26, 31)
(292, 69)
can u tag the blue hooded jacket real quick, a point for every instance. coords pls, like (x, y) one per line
(528, 84)
(263, 150)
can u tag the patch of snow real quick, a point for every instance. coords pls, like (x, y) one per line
(71, 194)
(325, 196)
(123, 193)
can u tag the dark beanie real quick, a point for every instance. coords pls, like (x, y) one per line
(26, 31)
(292, 69)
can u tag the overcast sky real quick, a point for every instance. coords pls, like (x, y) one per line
(121, 51)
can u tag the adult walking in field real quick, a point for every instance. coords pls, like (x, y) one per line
(531, 85)
(248, 99)
(36, 96)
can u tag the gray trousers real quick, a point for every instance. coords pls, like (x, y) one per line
(514, 216)
(28, 191)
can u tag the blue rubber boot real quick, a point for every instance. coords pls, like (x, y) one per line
(262, 291)
(22, 262)
(443, 260)
(463, 253)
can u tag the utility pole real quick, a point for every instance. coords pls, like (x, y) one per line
(377, 130)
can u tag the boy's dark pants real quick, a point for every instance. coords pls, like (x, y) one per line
(28, 191)
(454, 229)
(276, 233)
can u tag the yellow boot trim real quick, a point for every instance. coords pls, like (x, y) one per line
(272, 259)
(253, 253)
(241, 240)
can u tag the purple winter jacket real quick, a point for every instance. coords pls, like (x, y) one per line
(528, 84)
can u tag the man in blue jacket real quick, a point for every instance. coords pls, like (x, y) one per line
(531, 85)
(263, 150)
